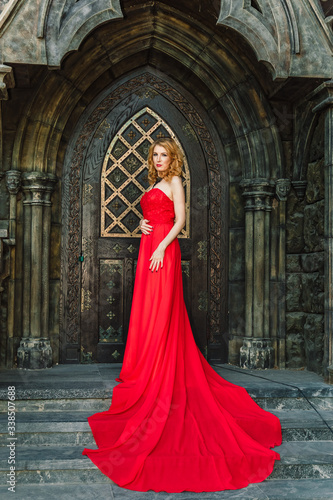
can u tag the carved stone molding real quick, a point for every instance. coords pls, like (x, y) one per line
(69, 22)
(282, 189)
(34, 354)
(277, 31)
(300, 188)
(258, 194)
(38, 187)
(256, 353)
(6, 81)
(261, 25)
(13, 181)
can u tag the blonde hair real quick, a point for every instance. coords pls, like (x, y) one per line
(176, 163)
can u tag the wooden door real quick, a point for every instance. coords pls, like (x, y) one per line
(110, 234)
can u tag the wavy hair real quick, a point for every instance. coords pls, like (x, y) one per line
(176, 163)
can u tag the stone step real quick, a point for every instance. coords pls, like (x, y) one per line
(57, 405)
(298, 403)
(102, 404)
(57, 428)
(305, 489)
(55, 464)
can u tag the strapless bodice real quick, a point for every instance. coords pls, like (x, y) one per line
(157, 207)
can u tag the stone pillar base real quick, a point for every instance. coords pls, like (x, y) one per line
(256, 353)
(34, 354)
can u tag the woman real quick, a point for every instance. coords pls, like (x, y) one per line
(174, 424)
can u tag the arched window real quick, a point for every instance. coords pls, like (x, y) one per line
(125, 175)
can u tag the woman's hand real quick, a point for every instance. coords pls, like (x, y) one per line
(145, 227)
(157, 259)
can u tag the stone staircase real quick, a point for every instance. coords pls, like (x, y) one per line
(52, 430)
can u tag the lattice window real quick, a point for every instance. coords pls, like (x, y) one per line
(125, 175)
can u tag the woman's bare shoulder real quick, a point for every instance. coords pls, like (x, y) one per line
(176, 181)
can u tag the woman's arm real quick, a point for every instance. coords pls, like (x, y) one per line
(178, 196)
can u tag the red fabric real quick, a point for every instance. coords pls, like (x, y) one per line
(174, 424)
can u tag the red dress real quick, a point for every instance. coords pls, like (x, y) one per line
(174, 424)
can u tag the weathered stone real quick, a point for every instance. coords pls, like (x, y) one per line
(294, 292)
(314, 323)
(314, 226)
(286, 54)
(236, 206)
(4, 203)
(295, 322)
(295, 353)
(294, 226)
(314, 341)
(34, 354)
(236, 309)
(315, 190)
(234, 347)
(288, 154)
(236, 253)
(317, 145)
(256, 353)
(313, 262)
(312, 293)
(293, 264)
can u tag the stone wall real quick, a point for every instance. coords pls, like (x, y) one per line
(305, 266)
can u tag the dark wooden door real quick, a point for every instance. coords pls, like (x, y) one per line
(111, 237)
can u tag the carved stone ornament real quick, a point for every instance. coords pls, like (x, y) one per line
(66, 24)
(256, 353)
(38, 187)
(258, 194)
(282, 189)
(6, 81)
(300, 188)
(277, 31)
(261, 24)
(13, 181)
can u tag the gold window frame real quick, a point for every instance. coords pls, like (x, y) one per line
(111, 163)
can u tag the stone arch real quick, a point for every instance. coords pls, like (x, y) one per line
(73, 185)
(278, 32)
(214, 72)
(232, 92)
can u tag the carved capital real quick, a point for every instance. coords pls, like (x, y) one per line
(322, 96)
(282, 189)
(6, 81)
(300, 188)
(13, 181)
(38, 187)
(258, 194)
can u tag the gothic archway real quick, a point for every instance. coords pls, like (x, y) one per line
(210, 252)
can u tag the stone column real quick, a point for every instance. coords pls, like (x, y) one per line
(323, 97)
(13, 183)
(35, 349)
(257, 351)
(282, 190)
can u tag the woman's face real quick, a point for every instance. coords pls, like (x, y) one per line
(161, 159)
